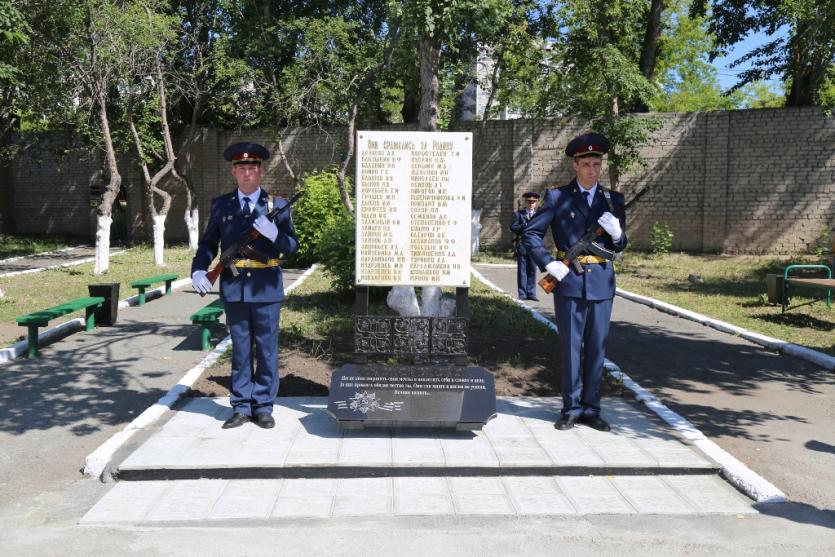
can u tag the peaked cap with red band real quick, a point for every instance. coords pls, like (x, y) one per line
(588, 144)
(246, 153)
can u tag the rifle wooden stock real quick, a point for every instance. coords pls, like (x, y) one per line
(215, 272)
(549, 281)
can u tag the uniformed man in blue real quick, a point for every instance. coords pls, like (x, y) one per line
(582, 301)
(525, 266)
(252, 300)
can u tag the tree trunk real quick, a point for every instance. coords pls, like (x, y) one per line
(614, 173)
(108, 196)
(430, 85)
(159, 238)
(805, 72)
(193, 225)
(430, 93)
(649, 48)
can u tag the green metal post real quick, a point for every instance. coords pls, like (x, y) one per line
(141, 296)
(33, 341)
(206, 336)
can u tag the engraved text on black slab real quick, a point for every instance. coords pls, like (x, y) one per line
(430, 395)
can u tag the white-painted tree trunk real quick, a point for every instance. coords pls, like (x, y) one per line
(102, 263)
(193, 226)
(159, 239)
(430, 301)
(403, 300)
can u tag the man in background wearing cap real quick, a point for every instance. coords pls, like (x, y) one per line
(525, 266)
(582, 301)
(252, 300)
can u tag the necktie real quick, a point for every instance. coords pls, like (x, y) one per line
(586, 198)
(247, 210)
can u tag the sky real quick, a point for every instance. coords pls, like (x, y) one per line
(727, 75)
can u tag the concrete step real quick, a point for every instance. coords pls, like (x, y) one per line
(307, 443)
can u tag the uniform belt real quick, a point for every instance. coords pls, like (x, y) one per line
(254, 264)
(583, 258)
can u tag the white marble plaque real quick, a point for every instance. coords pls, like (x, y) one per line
(414, 197)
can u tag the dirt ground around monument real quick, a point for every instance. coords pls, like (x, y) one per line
(524, 366)
(317, 338)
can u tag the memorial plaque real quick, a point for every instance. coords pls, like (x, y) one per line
(414, 396)
(414, 198)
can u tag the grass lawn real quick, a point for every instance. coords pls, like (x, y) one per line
(733, 290)
(15, 246)
(36, 291)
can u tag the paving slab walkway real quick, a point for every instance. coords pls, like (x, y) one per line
(517, 465)
(68, 257)
(773, 412)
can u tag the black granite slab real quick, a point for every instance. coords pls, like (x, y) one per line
(388, 395)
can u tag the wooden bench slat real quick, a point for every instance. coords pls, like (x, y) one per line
(151, 280)
(142, 284)
(43, 316)
(822, 283)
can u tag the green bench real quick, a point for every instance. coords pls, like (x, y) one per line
(206, 317)
(143, 284)
(43, 317)
(827, 283)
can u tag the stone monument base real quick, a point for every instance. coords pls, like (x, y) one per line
(434, 396)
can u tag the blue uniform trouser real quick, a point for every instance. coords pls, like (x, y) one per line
(583, 326)
(525, 276)
(254, 372)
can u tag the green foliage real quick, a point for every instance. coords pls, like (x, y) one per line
(801, 58)
(661, 239)
(823, 243)
(760, 95)
(627, 133)
(318, 210)
(688, 82)
(337, 252)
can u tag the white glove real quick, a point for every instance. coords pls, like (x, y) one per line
(200, 283)
(266, 227)
(611, 225)
(557, 269)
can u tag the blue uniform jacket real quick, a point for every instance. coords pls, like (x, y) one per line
(226, 224)
(520, 221)
(565, 210)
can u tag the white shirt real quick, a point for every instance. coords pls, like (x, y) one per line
(253, 199)
(591, 191)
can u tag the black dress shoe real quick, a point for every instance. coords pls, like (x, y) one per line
(533, 298)
(595, 422)
(565, 422)
(237, 420)
(264, 420)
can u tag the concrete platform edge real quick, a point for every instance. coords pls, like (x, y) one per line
(740, 476)
(96, 463)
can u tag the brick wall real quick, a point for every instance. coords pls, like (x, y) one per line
(749, 181)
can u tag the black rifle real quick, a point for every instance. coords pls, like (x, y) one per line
(588, 244)
(242, 248)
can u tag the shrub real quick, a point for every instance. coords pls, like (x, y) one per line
(822, 243)
(336, 251)
(318, 210)
(661, 239)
